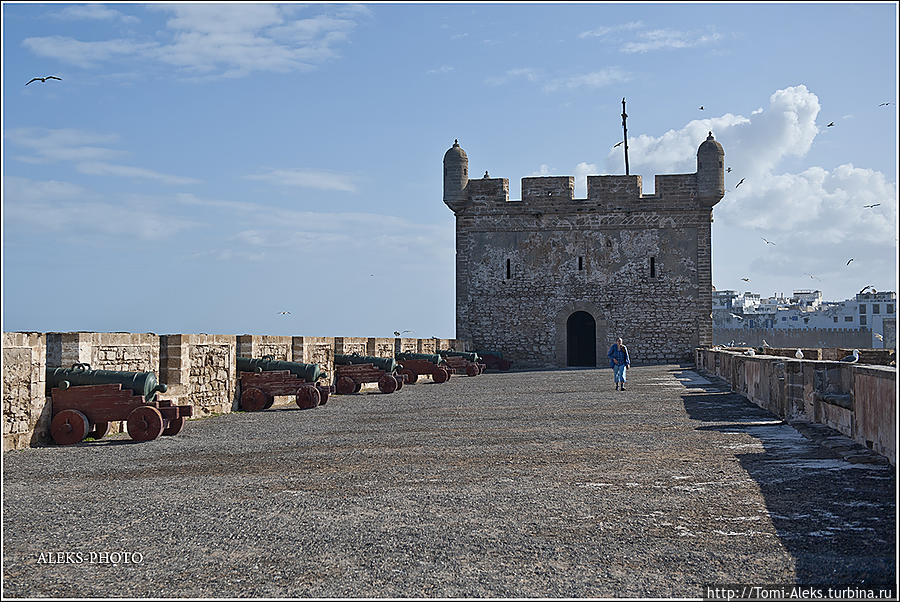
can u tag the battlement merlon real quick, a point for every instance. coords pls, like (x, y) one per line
(705, 187)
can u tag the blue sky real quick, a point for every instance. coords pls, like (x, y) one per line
(201, 168)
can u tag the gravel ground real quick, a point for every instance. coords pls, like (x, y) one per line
(530, 484)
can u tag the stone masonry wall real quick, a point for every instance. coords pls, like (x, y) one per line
(26, 408)
(257, 346)
(855, 399)
(198, 369)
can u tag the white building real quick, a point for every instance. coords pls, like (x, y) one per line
(805, 309)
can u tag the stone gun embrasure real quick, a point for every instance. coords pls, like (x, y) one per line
(351, 371)
(416, 364)
(261, 379)
(463, 362)
(85, 401)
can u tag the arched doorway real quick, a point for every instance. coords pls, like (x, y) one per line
(581, 340)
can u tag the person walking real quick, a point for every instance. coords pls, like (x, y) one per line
(619, 361)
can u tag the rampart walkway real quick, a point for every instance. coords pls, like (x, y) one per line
(539, 484)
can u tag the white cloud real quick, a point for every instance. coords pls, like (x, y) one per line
(93, 11)
(816, 216)
(217, 40)
(525, 73)
(81, 148)
(307, 178)
(661, 39)
(84, 54)
(595, 79)
(99, 168)
(64, 207)
(441, 69)
(603, 31)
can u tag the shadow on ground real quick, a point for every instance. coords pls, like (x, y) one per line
(835, 518)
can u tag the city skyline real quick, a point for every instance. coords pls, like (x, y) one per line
(276, 169)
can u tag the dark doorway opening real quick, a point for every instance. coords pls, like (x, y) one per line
(581, 340)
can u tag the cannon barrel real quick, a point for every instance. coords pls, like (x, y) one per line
(308, 372)
(434, 358)
(471, 356)
(142, 383)
(497, 354)
(388, 364)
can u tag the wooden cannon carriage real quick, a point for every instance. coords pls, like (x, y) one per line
(352, 371)
(462, 362)
(85, 401)
(260, 380)
(418, 364)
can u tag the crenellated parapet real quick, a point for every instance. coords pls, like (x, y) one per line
(689, 192)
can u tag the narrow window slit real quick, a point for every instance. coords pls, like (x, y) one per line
(581, 262)
(653, 267)
(508, 271)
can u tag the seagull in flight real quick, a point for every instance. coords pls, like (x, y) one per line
(728, 169)
(701, 107)
(737, 317)
(768, 242)
(878, 336)
(849, 260)
(830, 125)
(870, 206)
(284, 313)
(44, 79)
(741, 182)
(884, 104)
(864, 290)
(745, 279)
(619, 144)
(813, 277)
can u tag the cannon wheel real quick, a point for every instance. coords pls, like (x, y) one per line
(270, 401)
(357, 387)
(399, 379)
(69, 427)
(411, 375)
(472, 370)
(175, 426)
(440, 375)
(323, 394)
(307, 397)
(101, 430)
(254, 399)
(387, 383)
(145, 423)
(345, 385)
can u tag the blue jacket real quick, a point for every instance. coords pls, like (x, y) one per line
(618, 354)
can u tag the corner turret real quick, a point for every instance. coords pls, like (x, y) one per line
(710, 172)
(456, 176)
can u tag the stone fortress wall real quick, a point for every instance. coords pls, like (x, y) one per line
(199, 369)
(639, 265)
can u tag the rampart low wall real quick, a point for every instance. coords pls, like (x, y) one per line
(199, 369)
(856, 399)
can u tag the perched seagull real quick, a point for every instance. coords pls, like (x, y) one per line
(396, 333)
(799, 355)
(741, 182)
(872, 205)
(44, 79)
(731, 344)
(284, 313)
(764, 344)
(750, 352)
(728, 169)
(851, 359)
(830, 125)
(745, 279)
(486, 174)
(768, 242)
(849, 260)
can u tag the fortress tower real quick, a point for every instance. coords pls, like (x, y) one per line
(551, 280)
